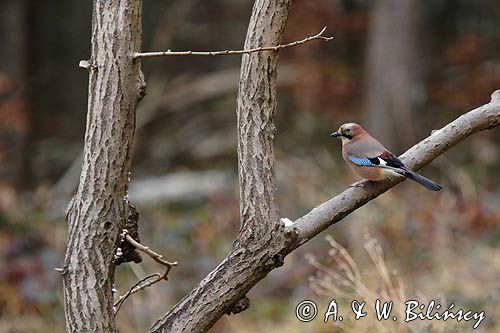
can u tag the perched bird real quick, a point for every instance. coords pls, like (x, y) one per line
(368, 157)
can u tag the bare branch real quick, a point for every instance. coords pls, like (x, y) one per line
(318, 36)
(138, 286)
(143, 283)
(156, 257)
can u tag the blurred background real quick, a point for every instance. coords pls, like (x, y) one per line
(401, 68)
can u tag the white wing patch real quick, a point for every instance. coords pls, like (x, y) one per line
(381, 161)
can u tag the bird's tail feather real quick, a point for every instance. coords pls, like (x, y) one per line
(427, 183)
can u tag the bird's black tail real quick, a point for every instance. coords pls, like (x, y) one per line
(427, 183)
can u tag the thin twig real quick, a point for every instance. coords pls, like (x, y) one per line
(138, 286)
(156, 257)
(319, 35)
(141, 284)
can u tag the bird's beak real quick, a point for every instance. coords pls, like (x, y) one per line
(336, 134)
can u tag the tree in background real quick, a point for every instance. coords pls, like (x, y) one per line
(16, 26)
(394, 87)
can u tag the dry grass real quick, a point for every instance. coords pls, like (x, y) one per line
(342, 279)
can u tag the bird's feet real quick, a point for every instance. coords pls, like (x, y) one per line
(362, 183)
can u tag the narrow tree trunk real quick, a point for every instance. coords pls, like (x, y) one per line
(256, 113)
(393, 72)
(97, 211)
(257, 249)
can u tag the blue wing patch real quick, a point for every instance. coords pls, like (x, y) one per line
(360, 161)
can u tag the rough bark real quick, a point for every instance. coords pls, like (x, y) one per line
(97, 210)
(256, 112)
(393, 72)
(261, 238)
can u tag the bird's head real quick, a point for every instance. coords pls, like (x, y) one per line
(348, 131)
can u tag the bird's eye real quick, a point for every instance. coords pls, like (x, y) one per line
(347, 130)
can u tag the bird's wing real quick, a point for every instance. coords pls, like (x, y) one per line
(391, 162)
(365, 146)
(385, 160)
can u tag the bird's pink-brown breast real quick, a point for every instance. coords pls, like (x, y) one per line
(364, 145)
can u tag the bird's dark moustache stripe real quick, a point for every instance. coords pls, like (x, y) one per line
(347, 136)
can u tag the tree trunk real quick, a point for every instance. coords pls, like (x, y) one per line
(259, 243)
(97, 211)
(393, 81)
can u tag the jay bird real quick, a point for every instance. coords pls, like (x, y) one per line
(371, 160)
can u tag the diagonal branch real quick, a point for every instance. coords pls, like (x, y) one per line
(318, 36)
(317, 220)
(421, 154)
